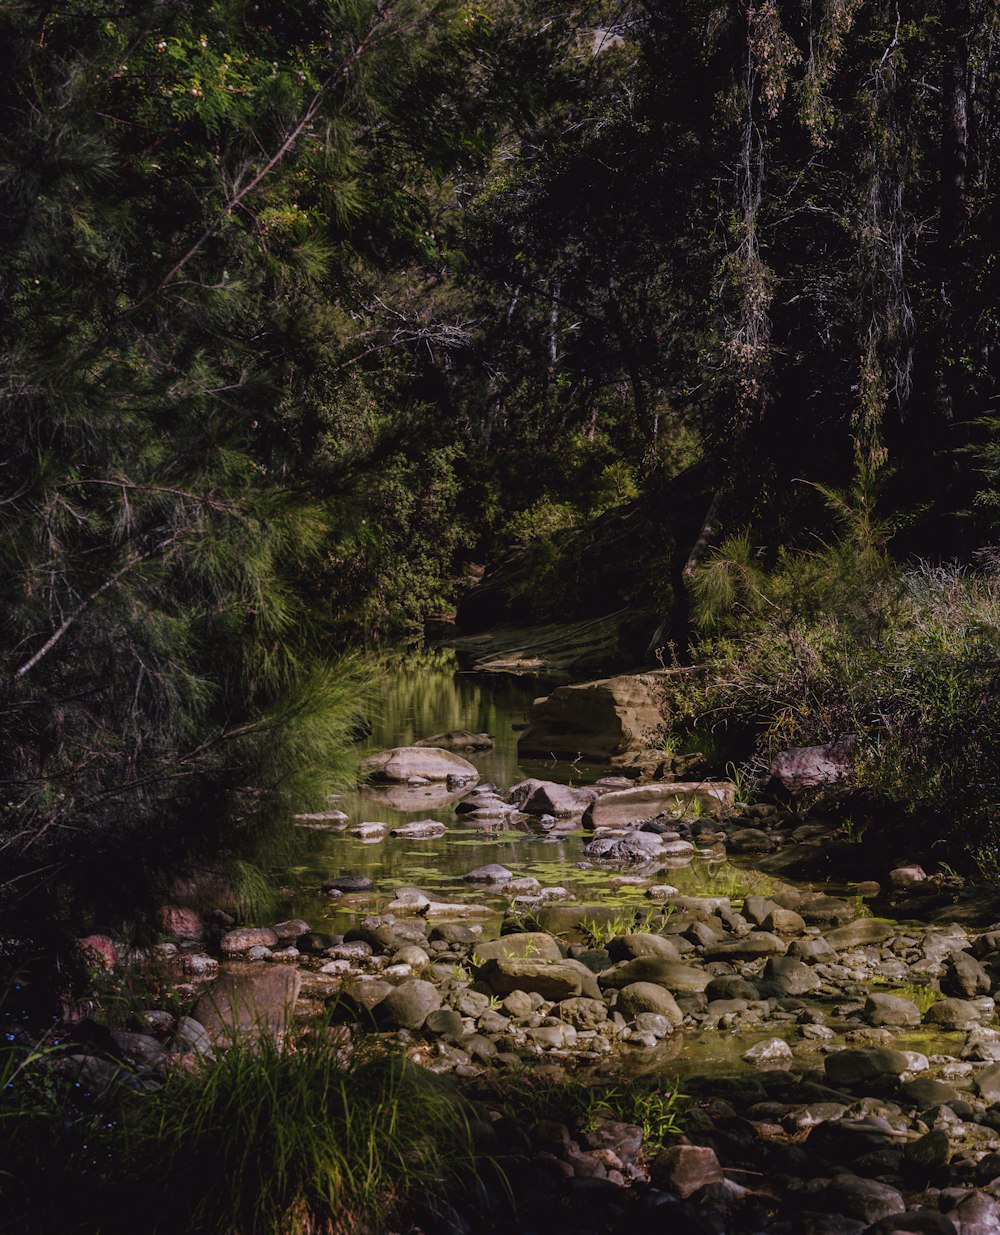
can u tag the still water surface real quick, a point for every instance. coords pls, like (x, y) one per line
(424, 695)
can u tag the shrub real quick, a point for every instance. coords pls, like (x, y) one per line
(842, 641)
(270, 1140)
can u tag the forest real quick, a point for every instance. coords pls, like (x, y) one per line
(314, 311)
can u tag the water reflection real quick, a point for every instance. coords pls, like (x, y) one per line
(418, 697)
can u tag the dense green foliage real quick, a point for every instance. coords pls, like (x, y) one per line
(310, 307)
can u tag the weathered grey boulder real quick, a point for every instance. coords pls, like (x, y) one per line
(632, 847)
(624, 806)
(251, 1000)
(361, 994)
(784, 975)
(639, 997)
(807, 767)
(770, 1053)
(658, 970)
(885, 1009)
(348, 883)
(631, 947)
(752, 946)
(400, 763)
(409, 1004)
(458, 739)
(859, 1064)
(987, 1083)
(827, 911)
(419, 829)
(864, 1199)
(246, 937)
(685, 1169)
(546, 797)
(607, 720)
(964, 976)
(583, 1013)
(954, 1013)
(860, 932)
(533, 945)
(493, 872)
(553, 980)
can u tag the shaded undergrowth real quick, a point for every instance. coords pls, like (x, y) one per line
(272, 1139)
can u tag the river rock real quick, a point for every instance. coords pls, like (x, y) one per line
(622, 807)
(655, 969)
(409, 1004)
(907, 876)
(987, 1083)
(445, 1023)
(632, 847)
(458, 739)
(493, 872)
(856, 1065)
(784, 922)
(418, 829)
(247, 937)
(369, 831)
(864, 1199)
(685, 1168)
(885, 1009)
(348, 883)
(731, 986)
(553, 980)
(751, 840)
(954, 1013)
(860, 932)
(632, 947)
(783, 975)
(609, 720)
(977, 1214)
(546, 797)
(533, 945)
(639, 997)
(752, 946)
(827, 911)
(254, 1000)
(964, 976)
(578, 1011)
(431, 763)
(772, 1052)
(807, 767)
(361, 994)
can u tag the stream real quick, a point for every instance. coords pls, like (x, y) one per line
(428, 695)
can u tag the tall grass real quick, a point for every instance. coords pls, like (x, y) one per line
(273, 1139)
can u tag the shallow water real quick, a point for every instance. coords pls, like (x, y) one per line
(418, 697)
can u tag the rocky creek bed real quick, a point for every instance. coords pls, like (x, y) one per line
(841, 1070)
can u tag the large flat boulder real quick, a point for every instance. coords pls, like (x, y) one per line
(553, 980)
(402, 764)
(249, 999)
(609, 720)
(624, 806)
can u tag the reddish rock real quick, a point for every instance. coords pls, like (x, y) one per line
(180, 923)
(686, 1168)
(807, 767)
(101, 951)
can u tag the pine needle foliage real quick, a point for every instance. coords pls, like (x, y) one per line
(183, 192)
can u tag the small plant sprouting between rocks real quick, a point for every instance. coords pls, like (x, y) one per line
(657, 1108)
(599, 934)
